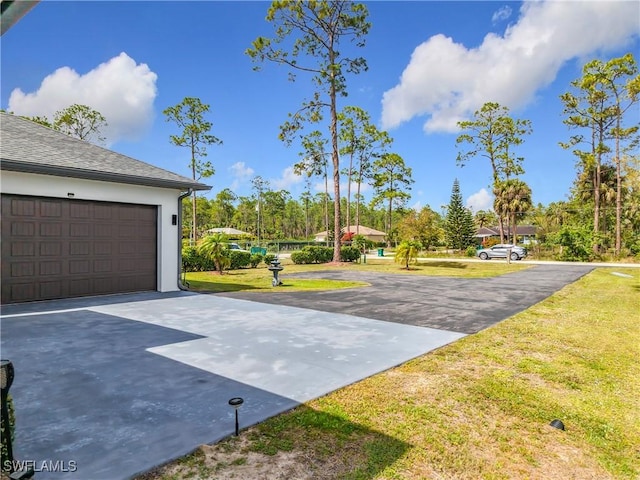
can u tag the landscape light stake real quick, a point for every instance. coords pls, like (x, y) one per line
(557, 424)
(235, 402)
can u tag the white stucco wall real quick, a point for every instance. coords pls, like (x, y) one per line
(165, 199)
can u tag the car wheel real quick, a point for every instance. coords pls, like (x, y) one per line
(484, 256)
(514, 256)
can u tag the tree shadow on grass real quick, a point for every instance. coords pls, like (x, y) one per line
(458, 265)
(322, 438)
(314, 441)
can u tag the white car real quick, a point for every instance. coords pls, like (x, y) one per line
(236, 247)
(501, 251)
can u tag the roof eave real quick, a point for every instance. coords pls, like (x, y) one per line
(24, 167)
(12, 11)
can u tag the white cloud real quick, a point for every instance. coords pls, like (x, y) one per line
(240, 171)
(501, 14)
(241, 174)
(287, 180)
(318, 186)
(447, 81)
(481, 200)
(121, 90)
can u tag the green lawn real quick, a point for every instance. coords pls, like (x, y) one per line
(476, 409)
(259, 279)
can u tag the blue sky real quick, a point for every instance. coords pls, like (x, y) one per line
(430, 65)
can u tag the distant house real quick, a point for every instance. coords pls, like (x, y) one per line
(78, 219)
(525, 234)
(231, 232)
(369, 233)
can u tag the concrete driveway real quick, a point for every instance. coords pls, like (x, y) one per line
(109, 387)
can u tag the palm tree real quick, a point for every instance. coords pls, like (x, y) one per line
(407, 252)
(512, 201)
(217, 249)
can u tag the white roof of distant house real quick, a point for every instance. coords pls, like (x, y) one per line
(364, 230)
(227, 231)
(353, 228)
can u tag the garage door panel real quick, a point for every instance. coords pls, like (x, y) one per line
(50, 290)
(103, 248)
(22, 207)
(50, 249)
(21, 292)
(80, 230)
(146, 231)
(146, 216)
(79, 248)
(50, 268)
(50, 229)
(145, 282)
(23, 249)
(57, 248)
(79, 267)
(51, 209)
(80, 287)
(23, 229)
(23, 269)
(79, 210)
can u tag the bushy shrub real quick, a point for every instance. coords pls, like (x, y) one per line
(194, 261)
(490, 242)
(471, 251)
(300, 257)
(361, 242)
(575, 242)
(239, 259)
(349, 254)
(319, 254)
(268, 258)
(256, 258)
(312, 254)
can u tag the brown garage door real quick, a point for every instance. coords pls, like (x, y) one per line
(59, 248)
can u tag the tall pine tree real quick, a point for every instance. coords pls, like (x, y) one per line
(460, 230)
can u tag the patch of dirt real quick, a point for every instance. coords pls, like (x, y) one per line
(239, 464)
(222, 462)
(339, 264)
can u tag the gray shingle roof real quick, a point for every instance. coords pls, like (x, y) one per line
(26, 146)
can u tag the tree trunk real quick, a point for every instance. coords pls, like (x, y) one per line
(596, 192)
(358, 202)
(336, 204)
(193, 219)
(193, 206)
(501, 227)
(618, 189)
(349, 193)
(326, 202)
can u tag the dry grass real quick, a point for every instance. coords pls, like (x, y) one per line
(476, 409)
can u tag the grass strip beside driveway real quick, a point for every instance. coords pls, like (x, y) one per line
(259, 279)
(479, 408)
